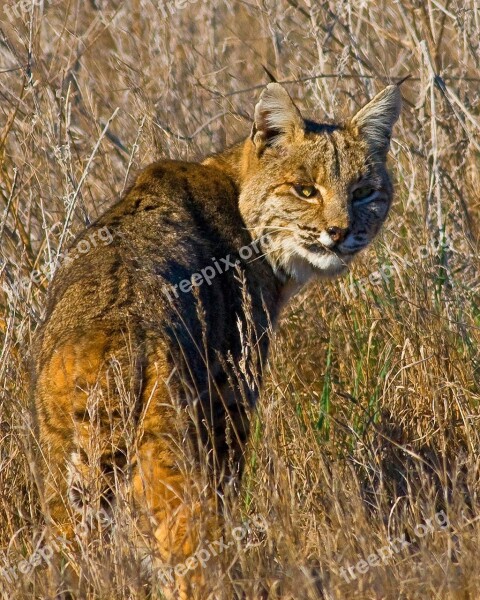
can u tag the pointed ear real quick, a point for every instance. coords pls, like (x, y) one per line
(277, 120)
(375, 121)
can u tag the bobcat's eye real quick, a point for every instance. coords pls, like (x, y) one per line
(306, 191)
(362, 193)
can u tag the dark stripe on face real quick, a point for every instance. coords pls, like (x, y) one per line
(336, 157)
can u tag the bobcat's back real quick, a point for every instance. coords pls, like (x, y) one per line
(176, 220)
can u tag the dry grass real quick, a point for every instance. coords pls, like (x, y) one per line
(369, 420)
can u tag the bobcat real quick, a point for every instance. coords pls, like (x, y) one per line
(141, 341)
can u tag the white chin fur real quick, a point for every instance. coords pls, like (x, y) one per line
(302, 265)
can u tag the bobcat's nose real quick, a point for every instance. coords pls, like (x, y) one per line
(338, 234)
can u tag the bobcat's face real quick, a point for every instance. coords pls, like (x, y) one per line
(320, 192)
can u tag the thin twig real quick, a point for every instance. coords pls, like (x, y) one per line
(80, 183)
(333, 76)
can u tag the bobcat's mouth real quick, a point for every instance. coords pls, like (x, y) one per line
(316, 247)
(322, 255)
(303, 256)
(340, 250)
(328, 263)
(306, 260)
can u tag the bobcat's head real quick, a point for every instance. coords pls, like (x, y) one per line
(320, 192)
